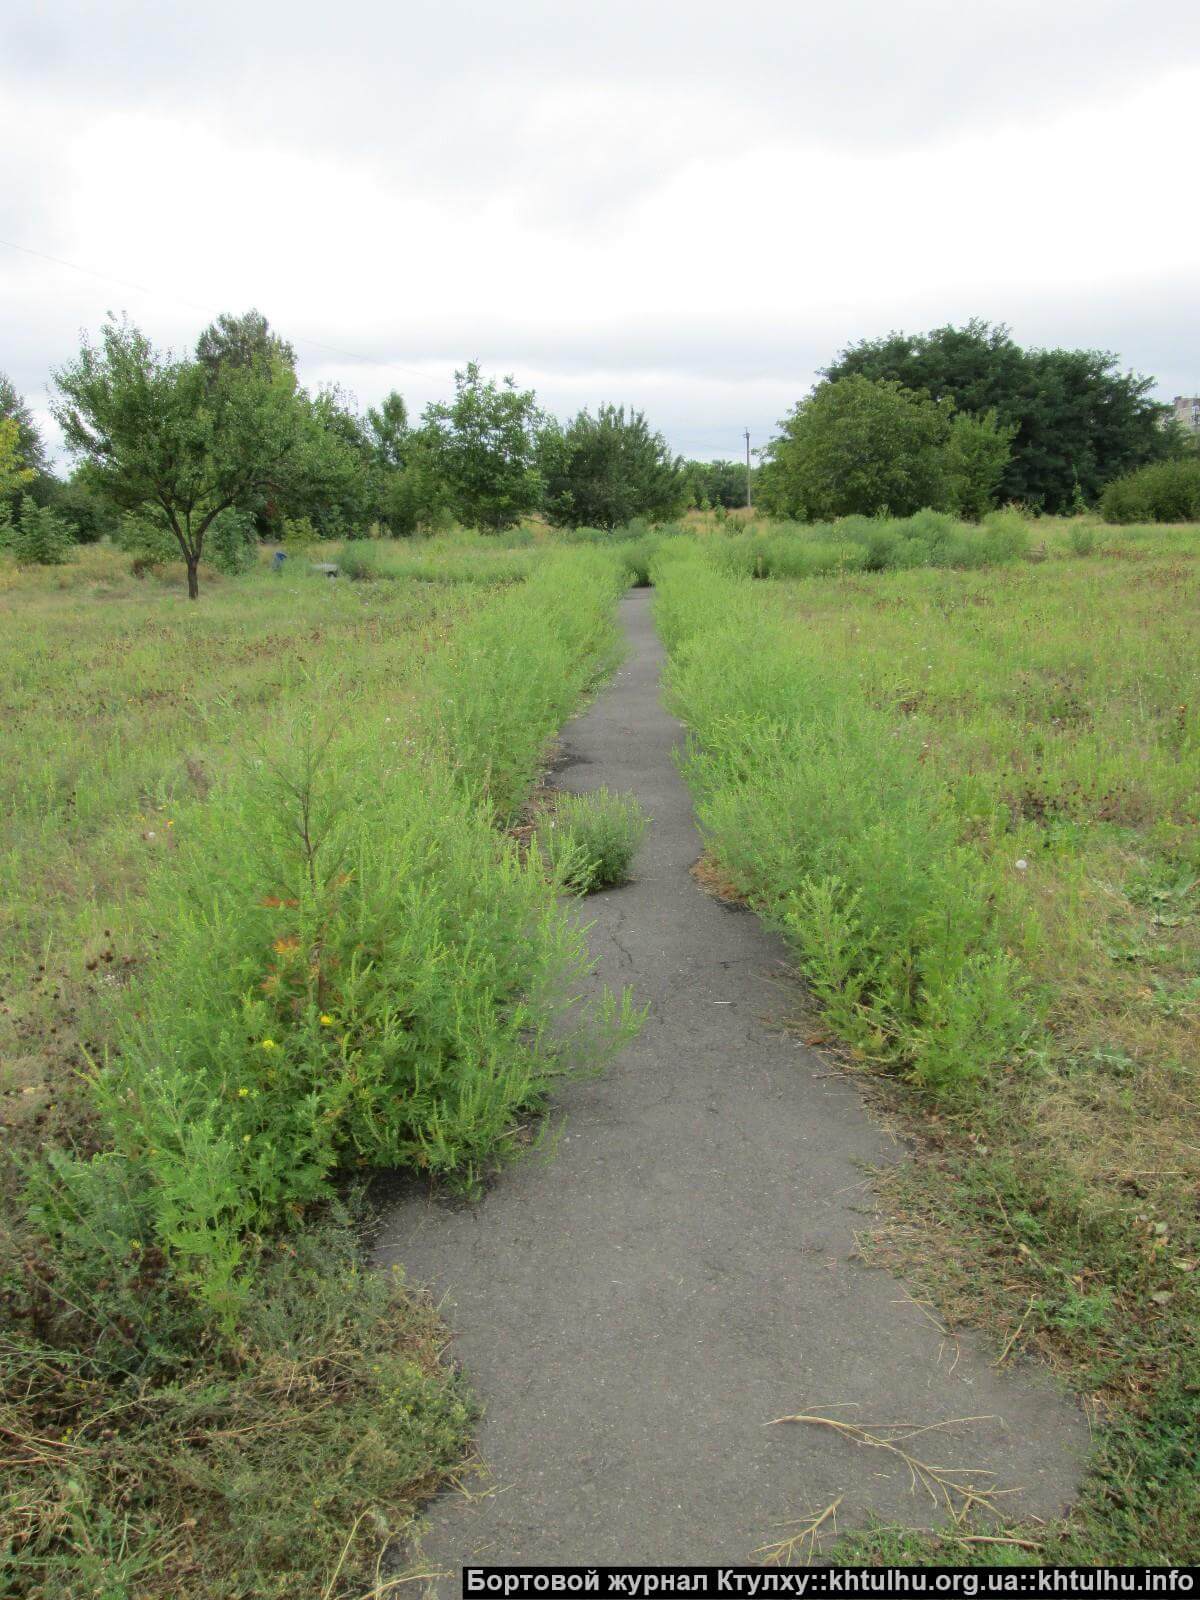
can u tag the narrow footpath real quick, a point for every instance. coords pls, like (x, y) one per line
(634, 1307)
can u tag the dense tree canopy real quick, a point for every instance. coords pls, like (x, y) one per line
(245, 341)
(605, 470)
(179, 442)
(716, 483)
(857, 447)
(1079, 420)
(30, 450)
(482, 446)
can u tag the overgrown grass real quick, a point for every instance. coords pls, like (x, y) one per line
(591, 839)
(316, 954)
(281, 1464)
(833, 828)
(930, 779)
(867, 544)
(433, 561)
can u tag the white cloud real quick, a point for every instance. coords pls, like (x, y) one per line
(676, 205)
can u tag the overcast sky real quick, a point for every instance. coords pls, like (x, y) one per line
(683, 205)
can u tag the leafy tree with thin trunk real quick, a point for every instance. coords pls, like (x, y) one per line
(483, 447)
(181, 442)
(603, 471)
(858, 447)
(387, 428)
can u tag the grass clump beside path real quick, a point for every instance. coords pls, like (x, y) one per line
(969, 799)
(591, 839)
(325, 958)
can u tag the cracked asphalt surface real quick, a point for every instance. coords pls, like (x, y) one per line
(635, 1306)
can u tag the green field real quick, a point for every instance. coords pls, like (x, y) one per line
(267, 928)
(971, 802)
(264, 932)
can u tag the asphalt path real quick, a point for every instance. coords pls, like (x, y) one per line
(636, 1306)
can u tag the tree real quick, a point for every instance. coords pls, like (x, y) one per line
(86, 512)
(245, 341)
(14, 474)
(716, 483)
(483, 447)
(23, 466)
(857, 446)
(30, 448)
(977, 451)
(175, 440)
(344, 510)
(1079, 420)
(387, 428)
(602, 471)
(37, 537)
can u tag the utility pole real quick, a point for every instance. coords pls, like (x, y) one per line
(747, 469)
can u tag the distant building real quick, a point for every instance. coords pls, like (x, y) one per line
(1187, 411)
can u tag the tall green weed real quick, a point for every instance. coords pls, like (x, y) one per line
(354, 969)
(823, 814)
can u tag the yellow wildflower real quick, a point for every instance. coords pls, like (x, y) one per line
(243, 1093)
(269, 1044)
(326, 1020)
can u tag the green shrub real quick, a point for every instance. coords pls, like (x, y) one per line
(466, 561)
(1005, 536)
(873, 544)
(151, 543)
(1082, 539)
(298, 534)
(360, 559)
(37, 537)
(511, 675)
(1167, 491)
(354, 970)
(637, 555)
(837, 833)
(231, 543)
(591, 839)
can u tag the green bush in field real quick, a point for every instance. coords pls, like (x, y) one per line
(353, 974)
(857, 446)
(298, 534)
(591, 839)
(361, 559)
(150, 543)
(232, 545)
(1082, 540)
(607, 469)
(354, 969)
(978, 449)
(637, 553)
(837, 832)
(466, 561)
(872, 544)
(1168, 491)
(510, 676)
(37, 536)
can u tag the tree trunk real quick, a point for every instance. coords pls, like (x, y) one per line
(193, 572)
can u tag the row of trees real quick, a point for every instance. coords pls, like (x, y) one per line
(217, 446)
(225, 439)
(960, 418)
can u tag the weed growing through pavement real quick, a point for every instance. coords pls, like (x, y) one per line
(590, 840)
